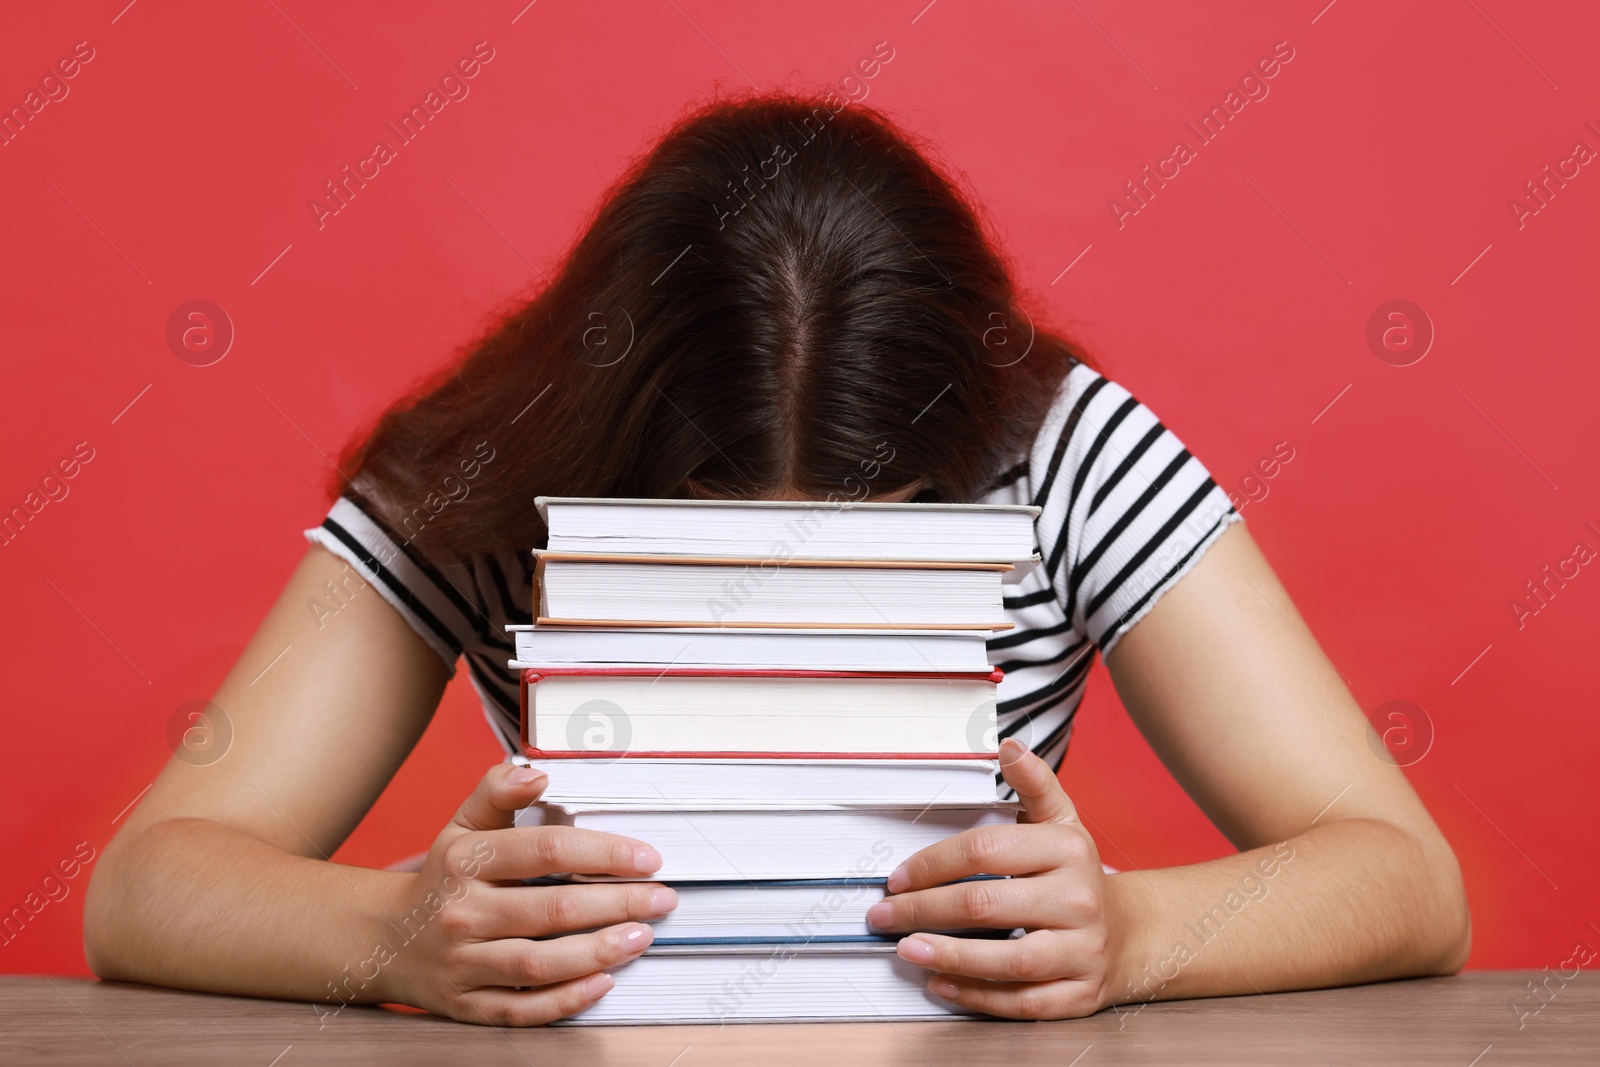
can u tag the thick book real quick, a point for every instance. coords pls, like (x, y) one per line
(573, 588)
(719, 844)
(733, 782)
(578, 712)
(979, 533)
(935, 651)
(767, 983)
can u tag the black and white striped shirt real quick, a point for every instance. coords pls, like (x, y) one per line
(1126, 511)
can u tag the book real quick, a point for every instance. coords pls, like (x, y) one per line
(767, 983)
(796, 911)
(581, 712)
(804, 911)
(977, 533)
(753, 844)
(573, 588)
(936, 651)
(744, 782)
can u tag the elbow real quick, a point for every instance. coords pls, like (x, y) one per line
(1457, 938)
(98, 947)
(104, 929)
(1446, 924)
(1462, 945)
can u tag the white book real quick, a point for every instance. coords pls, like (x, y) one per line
(756, 593)
(803, 911)
(819, 649)
(767, 983)
(777, 782)
(676, 714)
(987, 533)
(720, 844)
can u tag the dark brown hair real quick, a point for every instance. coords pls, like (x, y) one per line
(783, 294)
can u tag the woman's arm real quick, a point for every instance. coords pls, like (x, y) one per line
(1344, 878)
(1256, 724)
(220, 878)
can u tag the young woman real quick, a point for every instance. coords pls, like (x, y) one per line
(783, 299)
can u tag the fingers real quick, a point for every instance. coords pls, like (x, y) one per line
(1009, 849)
(995, 903)
(1060, 999)
(502, 792)
(1043, 799)
(519, 961)
(509, 1007)
(528, 911)
(1040, 956)
(534, 851)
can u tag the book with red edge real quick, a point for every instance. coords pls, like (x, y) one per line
(860, 714)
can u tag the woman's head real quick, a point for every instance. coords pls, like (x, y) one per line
(783, 298)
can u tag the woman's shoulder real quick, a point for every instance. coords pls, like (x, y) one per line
(1125, 508)
(1082, 400)
(457, 603)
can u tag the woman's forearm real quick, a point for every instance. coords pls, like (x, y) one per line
(1350, 901)
(195, 904)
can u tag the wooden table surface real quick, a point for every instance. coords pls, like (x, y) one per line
(1465, 1021)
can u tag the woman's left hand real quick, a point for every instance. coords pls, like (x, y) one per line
(1066, 964)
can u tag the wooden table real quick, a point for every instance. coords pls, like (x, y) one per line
(1466, 1021)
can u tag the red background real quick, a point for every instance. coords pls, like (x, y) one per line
(1235, 304)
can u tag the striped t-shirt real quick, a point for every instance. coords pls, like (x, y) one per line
(1126, 511)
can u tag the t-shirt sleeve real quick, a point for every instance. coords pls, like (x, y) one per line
(1127, 511)
(424, 591)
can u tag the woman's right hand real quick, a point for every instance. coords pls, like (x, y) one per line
(460, 933)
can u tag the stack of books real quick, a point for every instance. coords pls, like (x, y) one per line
(786, 700)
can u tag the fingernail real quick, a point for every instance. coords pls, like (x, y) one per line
(638, 939)
(898, 881)
(662, 901)
(598, 985)
(525, 776)
(916, 950)
(1011, 750)
(646, 859)
(943, 987)
(880, 914)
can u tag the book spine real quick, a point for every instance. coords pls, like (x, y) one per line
(698, 754)
(532, 674)
(752, 561)
(522, 696)
(761, 624)
(781, 939)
